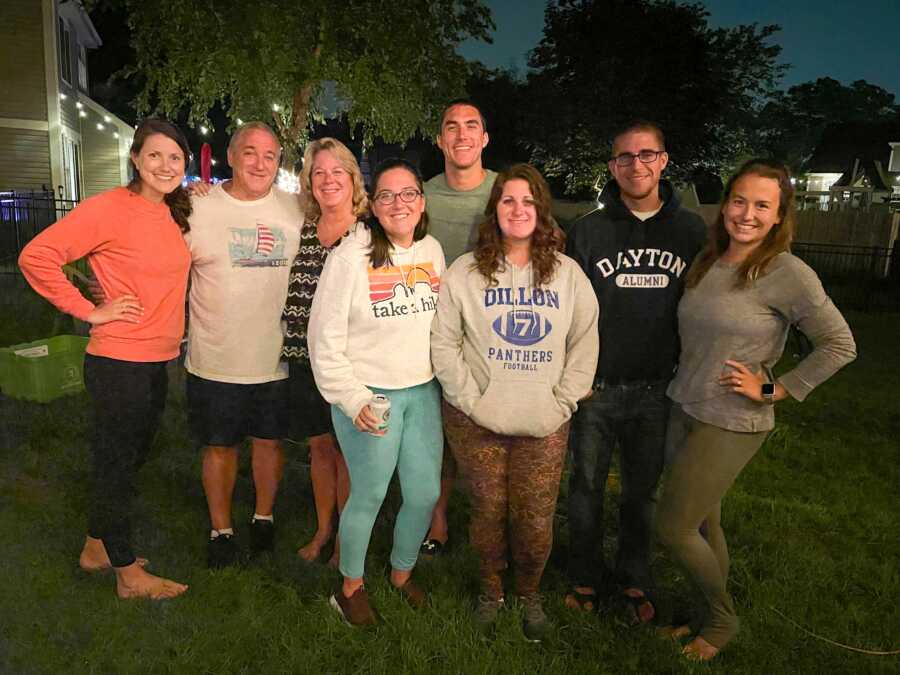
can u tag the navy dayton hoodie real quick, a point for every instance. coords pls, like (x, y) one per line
(637, 270)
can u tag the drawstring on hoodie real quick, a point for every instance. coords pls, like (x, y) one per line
(515, 286)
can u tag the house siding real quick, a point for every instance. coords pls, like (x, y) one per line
(23, 88)
(24, 159)
(101, 170)
(68, 113)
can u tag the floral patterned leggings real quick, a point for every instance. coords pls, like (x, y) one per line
(513, 483)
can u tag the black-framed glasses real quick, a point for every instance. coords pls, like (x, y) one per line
(646, 156)
(386, 197)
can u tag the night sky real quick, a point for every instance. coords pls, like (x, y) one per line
(819, 38)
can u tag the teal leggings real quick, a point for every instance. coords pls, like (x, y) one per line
(413, 445)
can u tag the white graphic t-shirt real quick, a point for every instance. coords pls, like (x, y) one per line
(241, 254)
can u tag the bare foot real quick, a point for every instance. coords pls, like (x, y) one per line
(699, 649)
(94, 558)
(312, 551)
(644, 610)
(674, 632)
(134, 582)
(583, 598)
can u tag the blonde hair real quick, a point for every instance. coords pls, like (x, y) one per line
(346, 159)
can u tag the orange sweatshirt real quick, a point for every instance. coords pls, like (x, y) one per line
(134, 248)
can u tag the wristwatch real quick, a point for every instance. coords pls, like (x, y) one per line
(768, 392)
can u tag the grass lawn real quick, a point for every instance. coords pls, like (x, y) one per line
(812, 526)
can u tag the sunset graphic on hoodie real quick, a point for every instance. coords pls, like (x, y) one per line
(383, 280)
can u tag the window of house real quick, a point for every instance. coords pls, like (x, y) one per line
(65, 52)
(82, 69)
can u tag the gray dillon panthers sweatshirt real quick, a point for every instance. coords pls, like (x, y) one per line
(514, 357)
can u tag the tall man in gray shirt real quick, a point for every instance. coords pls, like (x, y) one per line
(455, 201)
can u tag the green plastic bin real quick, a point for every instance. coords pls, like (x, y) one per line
(44, 369)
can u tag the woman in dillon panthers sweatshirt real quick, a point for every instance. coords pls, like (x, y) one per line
(369, 334)
(515, 346)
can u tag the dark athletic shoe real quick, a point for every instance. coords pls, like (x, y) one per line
(413, 594)
(535, 623)
(486, 613)
(262, 536)
(222, 552)
(355, 610)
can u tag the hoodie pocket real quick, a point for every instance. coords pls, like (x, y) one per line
(517, 408)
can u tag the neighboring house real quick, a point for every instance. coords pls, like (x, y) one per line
(855, 165)
(53, 136)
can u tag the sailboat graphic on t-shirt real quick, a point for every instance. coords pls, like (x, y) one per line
(262, 246)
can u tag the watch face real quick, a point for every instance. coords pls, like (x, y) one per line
(768, 389)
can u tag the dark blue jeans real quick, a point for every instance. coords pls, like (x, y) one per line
(633, 416)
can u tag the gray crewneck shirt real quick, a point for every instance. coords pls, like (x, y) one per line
(718, 322)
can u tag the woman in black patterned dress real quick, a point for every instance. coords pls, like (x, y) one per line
(334, 200)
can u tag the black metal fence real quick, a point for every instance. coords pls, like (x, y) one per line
(865, 278)
(22, 216)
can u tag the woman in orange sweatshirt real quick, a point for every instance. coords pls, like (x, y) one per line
(132, 237)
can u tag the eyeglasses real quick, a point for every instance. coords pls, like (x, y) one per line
(386, 197)
(646, 156)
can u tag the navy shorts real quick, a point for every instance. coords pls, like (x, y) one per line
(224, 413)
(310, 413)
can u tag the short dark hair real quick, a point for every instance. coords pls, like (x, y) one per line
(464, 101)
(380, 249)
(638, 125)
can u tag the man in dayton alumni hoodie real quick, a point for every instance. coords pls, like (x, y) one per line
(635, 250)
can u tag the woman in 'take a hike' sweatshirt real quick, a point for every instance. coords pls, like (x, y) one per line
(369, 333)
(515, 346)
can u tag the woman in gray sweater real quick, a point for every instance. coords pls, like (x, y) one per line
(743, 292)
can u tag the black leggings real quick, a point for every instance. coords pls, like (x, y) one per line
(128, 399)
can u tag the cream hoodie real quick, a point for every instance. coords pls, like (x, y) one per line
(370, 327)
(513, 357)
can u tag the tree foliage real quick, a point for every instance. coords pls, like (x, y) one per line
(601, 63)
(791, 124)
(393, 65)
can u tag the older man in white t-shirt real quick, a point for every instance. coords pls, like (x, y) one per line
(244, 235)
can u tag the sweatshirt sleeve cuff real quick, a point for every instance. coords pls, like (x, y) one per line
(83, 309)
(795, 386)
(355, 403)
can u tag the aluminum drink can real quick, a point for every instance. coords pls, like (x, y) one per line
(380, 405)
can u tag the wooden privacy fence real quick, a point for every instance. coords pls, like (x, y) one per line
(849, 227)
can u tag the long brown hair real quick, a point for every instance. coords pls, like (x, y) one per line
(380, 250)
(178, 200)
(778, 240)
(546, 241)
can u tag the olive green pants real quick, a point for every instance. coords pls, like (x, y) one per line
(705, 465)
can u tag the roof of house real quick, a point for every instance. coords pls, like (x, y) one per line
(842, 144)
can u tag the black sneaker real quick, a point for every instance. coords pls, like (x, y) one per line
(262, 536)
(487, 611)
(222, 552)
(535, 624)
